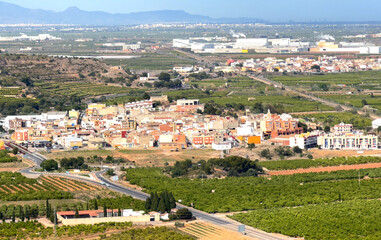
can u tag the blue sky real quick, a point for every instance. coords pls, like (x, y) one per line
(271, 10)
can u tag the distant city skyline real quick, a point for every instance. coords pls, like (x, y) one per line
(270, 10)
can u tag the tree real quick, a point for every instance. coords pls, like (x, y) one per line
(27, 81)
(87, 205)
(15, 150)
(95, 204)
(49, 165)
(21, 213)
(155, 202)
(172, 201)
(164, 76)
(297, 149)
(110, 172)
(250, 146)
(148, 203)
(104, 210)
(364, 102)
(265, 153)
(184, 213)
(76, 212)
(119, 212)
(327, 129)
(146, 96)
(13, 215)
(47, 207)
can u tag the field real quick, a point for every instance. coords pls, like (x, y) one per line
(331, 119)
(248, 193)
(355, 100)
(141, 157)
(322, 162)
(361, 80)
(204, 231)
(151, 61)
(15, 187)
(34, 230)
(358, 219)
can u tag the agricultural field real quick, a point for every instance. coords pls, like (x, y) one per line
(15, 187)
(248, 193)
(142, 157)
(204, 231)
(34, 230)
(355, 100)
(355, 80)
(322, 162)
(332, 119)
(250, 97)
(151, 62)
(357, 219)
(83, 89)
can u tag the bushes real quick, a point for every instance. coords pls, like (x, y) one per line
(5, 158)
(49, 165)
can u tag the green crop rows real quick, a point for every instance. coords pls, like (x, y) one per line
(323, 162)
(358, 219)
(246, 193)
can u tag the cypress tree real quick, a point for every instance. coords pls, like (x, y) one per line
(172, 201)
(47, 209)
(104, 210)
(76, 213)
(13, 215)
(155, 202)
(1, 215)
(87, 205)
(27, 212)
(167, 202)
(119, 212)
(95, 204)
(22, 216)
(3, 218)
(161, 207)
(148, 204)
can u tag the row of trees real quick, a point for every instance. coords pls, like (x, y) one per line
(233, 165)
(163, 202)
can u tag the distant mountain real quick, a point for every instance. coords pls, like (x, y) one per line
(14, 14)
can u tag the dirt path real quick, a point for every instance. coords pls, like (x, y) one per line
(326, 169)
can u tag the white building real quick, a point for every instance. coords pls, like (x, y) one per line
(348, 141)
(376, 123)
(342, 128)
(188, 102)
(305, 140)
(251, 43)
(182, 43)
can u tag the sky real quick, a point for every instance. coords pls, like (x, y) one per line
(269, 10)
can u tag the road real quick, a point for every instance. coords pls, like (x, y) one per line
(308, 96)
(224, 223)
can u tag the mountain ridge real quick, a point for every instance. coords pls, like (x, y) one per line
(15, 14)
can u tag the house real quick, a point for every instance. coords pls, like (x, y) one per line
(97, 216)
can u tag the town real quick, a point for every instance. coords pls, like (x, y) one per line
(156, 123)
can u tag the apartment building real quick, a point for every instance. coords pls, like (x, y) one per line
(348, 141)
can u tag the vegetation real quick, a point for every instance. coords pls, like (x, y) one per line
(181, 214)
(49, 165)
(162, 202)
(322, 162)
(245, 193)
(5, 158)
(331, 119)
(356, 219)
(232, 166)
(73, 163)
(159, 233)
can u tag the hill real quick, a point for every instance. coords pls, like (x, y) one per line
(14, 14)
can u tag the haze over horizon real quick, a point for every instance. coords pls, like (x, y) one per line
(272, 11)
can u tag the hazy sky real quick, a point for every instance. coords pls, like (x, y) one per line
(271, 10)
